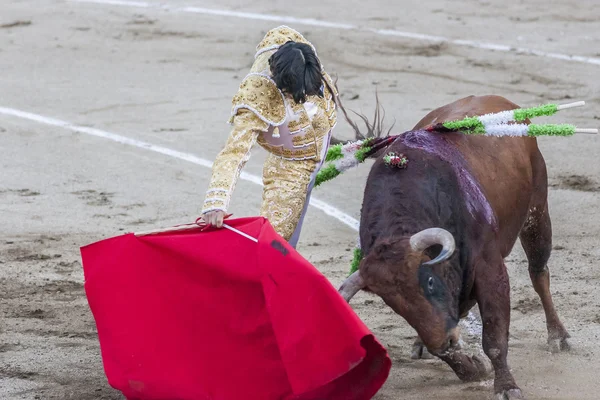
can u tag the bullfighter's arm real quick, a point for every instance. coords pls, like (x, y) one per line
(230, 161)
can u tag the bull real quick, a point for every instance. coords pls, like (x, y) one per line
(435, 235)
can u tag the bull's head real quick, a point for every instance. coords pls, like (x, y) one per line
(413, 285)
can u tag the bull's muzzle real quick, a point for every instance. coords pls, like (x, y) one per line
(452, 344)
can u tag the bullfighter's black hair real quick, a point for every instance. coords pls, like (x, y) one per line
(296, 71)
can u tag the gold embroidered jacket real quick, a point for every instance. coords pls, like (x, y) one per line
(262, 113)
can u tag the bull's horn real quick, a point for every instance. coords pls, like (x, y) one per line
(430, 237)
(352, 285)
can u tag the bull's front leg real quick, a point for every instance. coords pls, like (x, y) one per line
(493, 296)
(467, 368)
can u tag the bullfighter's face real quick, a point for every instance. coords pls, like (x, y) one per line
(416, 291)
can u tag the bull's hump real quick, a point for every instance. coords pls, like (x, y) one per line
(438, 145)
(466, 107)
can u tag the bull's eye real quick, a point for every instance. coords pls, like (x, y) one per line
(430, 284)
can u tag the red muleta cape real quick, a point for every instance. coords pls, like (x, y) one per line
(213, 315)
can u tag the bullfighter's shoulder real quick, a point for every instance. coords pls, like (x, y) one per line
(259, 94)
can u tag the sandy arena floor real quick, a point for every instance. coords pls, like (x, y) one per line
(166, 77)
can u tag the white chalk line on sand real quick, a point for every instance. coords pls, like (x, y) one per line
(319, 204)
(341, 26)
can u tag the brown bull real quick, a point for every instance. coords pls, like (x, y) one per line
(434, 236)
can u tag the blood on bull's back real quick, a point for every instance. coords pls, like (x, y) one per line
(509, 170)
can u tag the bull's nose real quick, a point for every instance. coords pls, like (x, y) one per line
(452, 343)
(449, 346)
(443, 350)
(454, 339)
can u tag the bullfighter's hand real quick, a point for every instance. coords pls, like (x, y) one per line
(214, 218)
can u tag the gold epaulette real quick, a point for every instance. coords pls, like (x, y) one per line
(259, 94)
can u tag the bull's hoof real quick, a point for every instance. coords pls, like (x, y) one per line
(510, 394)
(480, 370)
(419, 352)
(484, 366)
(558, 345)
(469, 368)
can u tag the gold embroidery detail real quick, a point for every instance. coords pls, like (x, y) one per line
(231, 160)
(276, 150)
(301, 123)
(320, 124)
(297, 107)
(260, 95)
(307, 152)
(300, 140)
(286, 183)
(300, 118)
(220, 195)
(261, 63)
